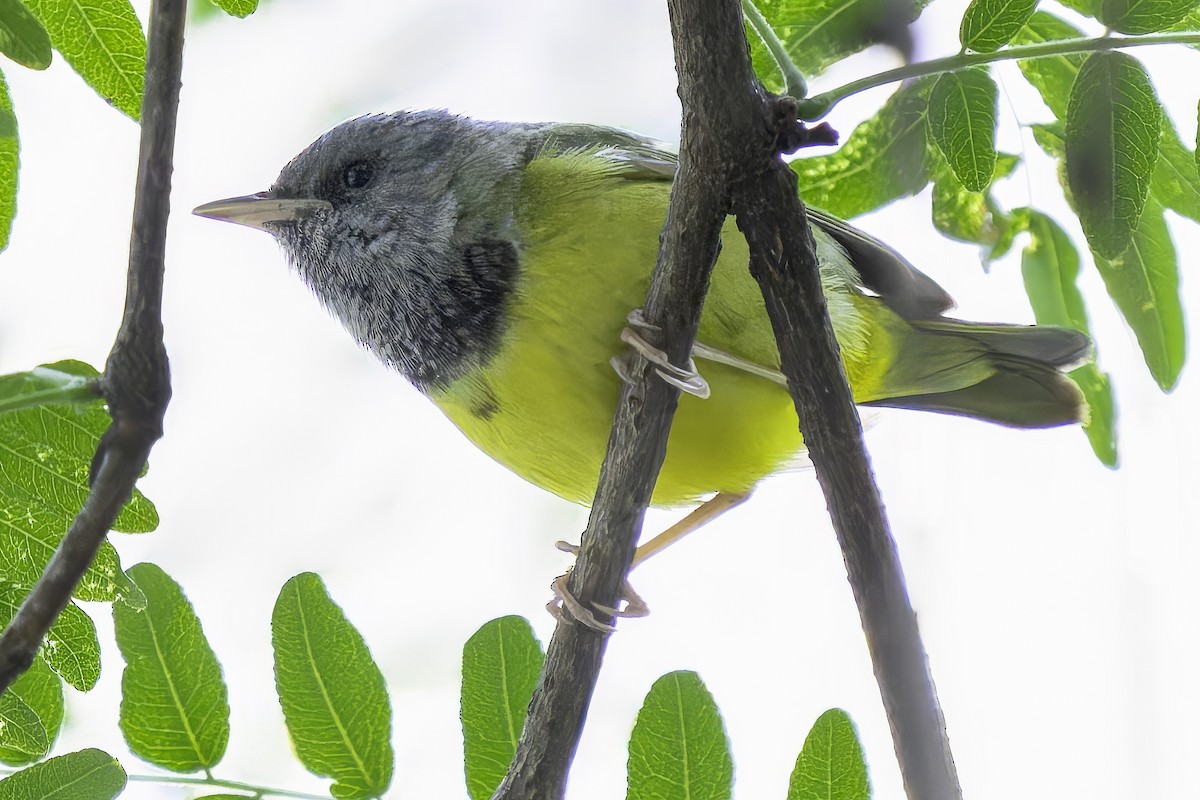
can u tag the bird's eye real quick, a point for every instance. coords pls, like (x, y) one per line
(357, 175)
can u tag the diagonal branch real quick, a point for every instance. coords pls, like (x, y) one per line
(136, 380)
(783, 261)
(689, 247)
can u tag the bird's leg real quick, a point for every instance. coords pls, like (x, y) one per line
(698, 518)
(685, 379)
(564, 603)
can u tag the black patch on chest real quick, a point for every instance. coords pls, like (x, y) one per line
(486, 406)
(467, 321)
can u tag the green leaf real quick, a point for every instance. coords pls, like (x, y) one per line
(22, 37)
(1101, 424)
(1050, 266)
(45, 453)
(71, 647)
(333, 695)
(102, 40)
(969, 216)
(988, 25)
(31, 714)
(46, 386)
(1113, 126)
(1052, 77)
(1191, 22)
(10, 162)
(679, 750)
(1015, 223)
(962, 119)
(885, 158)
(237, 8)
(1144, 283)
(830, 765)
(84, 775)
(174, 704)
(1144, 16)
(1176, 184)
(817, 33)
(501, 664)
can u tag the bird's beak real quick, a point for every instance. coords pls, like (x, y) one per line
(258, 210)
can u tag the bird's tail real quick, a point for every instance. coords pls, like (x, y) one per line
(1008, 374)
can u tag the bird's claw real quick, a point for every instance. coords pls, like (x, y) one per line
(685, 379)
(564, 606)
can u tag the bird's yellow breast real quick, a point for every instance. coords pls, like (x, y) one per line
(543, 406)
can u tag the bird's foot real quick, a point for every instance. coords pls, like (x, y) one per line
(565, 606)
(685, 379)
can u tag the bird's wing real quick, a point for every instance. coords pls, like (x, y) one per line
(881, 269)
(637, 157)
(885, 272)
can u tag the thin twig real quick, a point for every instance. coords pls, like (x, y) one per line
(817, 106)
(136, 380)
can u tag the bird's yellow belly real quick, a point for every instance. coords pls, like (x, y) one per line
(553, 431)
(544, 405)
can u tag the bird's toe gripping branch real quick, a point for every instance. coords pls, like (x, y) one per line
(685, 379)
(565, 605)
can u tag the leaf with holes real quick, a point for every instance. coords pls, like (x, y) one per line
(333, 696)
(1113, 126)
(501, 664)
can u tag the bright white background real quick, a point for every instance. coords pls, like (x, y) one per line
(1058, 599)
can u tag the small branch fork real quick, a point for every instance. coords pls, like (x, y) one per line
(136, 379)
(732, 134)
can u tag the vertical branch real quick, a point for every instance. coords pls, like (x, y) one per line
(136, 380)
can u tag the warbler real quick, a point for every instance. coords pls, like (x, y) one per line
(495, 265)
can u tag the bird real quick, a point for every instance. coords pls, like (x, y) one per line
(495, 265)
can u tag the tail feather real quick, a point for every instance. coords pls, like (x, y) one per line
(1010, 374)
(1052, 347)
